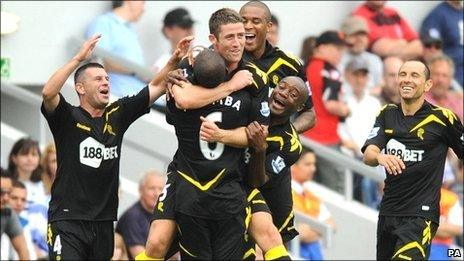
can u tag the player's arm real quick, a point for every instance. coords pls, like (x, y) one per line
(189, 96)
(157, 85)
(305, 120)
(210, 132)
(374, 157)
(53, 86)
(454, 133)
(256, 135)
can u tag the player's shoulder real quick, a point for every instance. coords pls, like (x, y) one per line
(445, 115)
(288, 56)
(258, 74)
(388, 109)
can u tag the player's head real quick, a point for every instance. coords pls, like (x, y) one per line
(18, 196)
(413, 81)
(24, 158)
(150, 187)
(6, 181)
(303, 170)
(288, 97)
(257, 21)
(227, 34)
(92, 85)
(209, 69)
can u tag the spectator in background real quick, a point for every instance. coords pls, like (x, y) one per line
(120, 38)
(177, 24)
(135, 233)
(441, 72)
(389, 33)
(432, 47)
(325, 82)
(49, 166)
(355, 129)
(23, 163)
(18, 203)
(307, 49)
(390, 93)
(450, 224)
(445, 22)
(356, 31)
(9, 222)
(308, 203)
(273, 34)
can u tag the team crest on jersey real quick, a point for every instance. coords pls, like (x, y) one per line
(278, 164)
(92, 152)
(374, 132)
(265, 111)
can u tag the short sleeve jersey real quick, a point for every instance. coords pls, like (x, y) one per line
(88, 153)
(422, 142)
(209, 183)
(277, 64)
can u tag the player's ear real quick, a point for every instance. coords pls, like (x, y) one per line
(80, 88)
(428, 85)
(268, 26)
(212, 38)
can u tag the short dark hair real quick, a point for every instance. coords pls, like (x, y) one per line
(223, 16)
(18, 184)
(263, 6)
(117, 4)
(274, 20)
(209, 69)
(80, 70)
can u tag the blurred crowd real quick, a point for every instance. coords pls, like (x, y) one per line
(352, 73)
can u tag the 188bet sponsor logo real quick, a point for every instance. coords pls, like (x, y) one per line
(397, 148)
(92, 152)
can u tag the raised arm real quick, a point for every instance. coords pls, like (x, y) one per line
(157, 85)
(305, 121)
(55, 83)
(189, 96)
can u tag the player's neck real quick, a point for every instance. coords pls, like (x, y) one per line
(232, 66)
(410, 107)
(94, 112)
(258, 53)
(275, 120)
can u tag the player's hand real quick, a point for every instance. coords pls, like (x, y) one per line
(87, 48)
(175, 77)
(182, 49)
(256, 134)
(192, 53)
(241, 80)
(209, 131)
(392, 163)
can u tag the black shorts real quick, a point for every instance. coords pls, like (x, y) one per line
(404, 238)
(209, 239)
(80, 240)
(166, 202)
(255, 203)
(278, 195)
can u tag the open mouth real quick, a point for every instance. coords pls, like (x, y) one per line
(249, 37)
(407, 88)
(277, 104)
(104, 91)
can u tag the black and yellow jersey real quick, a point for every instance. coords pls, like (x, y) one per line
(209, 176)
(88, 151)
(422, 142)
(276, 65)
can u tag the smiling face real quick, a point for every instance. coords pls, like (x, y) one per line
(27, 161)
(412, 81)
(288, 97)
(230, 42)
(257, 26)
(94, 87)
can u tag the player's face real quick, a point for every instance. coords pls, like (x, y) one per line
(27, 162)
(5, 184)
(286, 98)
(97, 87)
(412, 81)
(18, 199)
(230, 43)
(256, 27)
(151, 190)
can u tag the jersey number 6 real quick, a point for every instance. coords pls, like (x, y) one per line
(208, 153)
